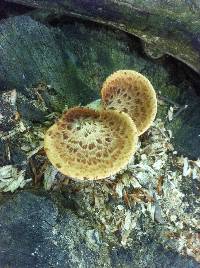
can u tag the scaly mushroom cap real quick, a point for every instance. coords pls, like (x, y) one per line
(88, 144)
(130, 92)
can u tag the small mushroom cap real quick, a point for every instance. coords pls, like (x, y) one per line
(88, 144)
(131, 92)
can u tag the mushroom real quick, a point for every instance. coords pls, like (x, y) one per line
(132, 93)
(89, 144)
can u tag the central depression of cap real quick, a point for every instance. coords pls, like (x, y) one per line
(86, 144)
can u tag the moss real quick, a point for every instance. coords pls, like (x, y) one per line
(167, 27)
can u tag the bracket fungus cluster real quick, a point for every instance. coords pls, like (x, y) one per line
(93, 144)
(131, 92)
(89, 144)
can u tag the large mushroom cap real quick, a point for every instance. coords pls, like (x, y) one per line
(88, 144)
(132, 93)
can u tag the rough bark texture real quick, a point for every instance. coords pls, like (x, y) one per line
(36, 232)
(72, 46)
(166, 27)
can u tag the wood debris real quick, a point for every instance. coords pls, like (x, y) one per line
(147, 186)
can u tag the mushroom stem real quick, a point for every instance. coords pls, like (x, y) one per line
(95, 105)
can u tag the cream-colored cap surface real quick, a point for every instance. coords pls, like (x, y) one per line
(132, 93)
(88, 144)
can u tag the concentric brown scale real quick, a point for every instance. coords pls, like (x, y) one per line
(130, 92)
(93, 144)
